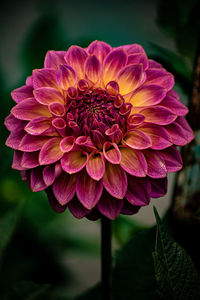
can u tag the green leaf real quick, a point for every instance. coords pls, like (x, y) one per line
(7, 226)
(174, 270)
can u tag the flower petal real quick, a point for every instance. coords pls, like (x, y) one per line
(17, 158)
(30, 160)
(138, 58)
(54, 58)
(64, 188)
(14, 124)
(48, 95)
(53, 201)
(50, 151)
(67, 143)
(74, 161)
(29, 109)
(137, 139)
(110, 207)
(14, 139)
(139, 191)
(38, 125)
(115, 181)
(177, 134)
(133, 48)
(49, 174)
(76, 57)
(148, 95)
(160, 77)
(95, 166)
(129, 209)
(92, 68)
(156, 164)
(154, 64)
(37, 183)
(133, 162)
(22, 93)
(175, 105)
(100, 49)
(172, 158)
(77, 209)
(31, 143)
(158, 115)
(44, 78)
(187, 129)
(88, 190)
(57, 109)
(158, 187)
(130, 78)
(112, 152)
(113, 63)
(65, 77)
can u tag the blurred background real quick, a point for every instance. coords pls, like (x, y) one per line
(43, 247)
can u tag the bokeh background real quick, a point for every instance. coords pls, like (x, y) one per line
(40, 245)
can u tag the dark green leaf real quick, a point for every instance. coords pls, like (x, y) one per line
(174, 270)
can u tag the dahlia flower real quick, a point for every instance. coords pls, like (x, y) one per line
(97, 129)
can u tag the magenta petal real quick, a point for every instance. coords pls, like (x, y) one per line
(158, 187)
(14, 139)
(110, 207)
(57, 109)
(95, 165)
(160, 77)
(67, 144)
(13, 124)
(133, 162)
(172, 158)
(133, 49)
(38, 125)
(177, 134)
(77, 209)
(88, 190)
(22, 93)
(49, 174)
(129, 209)
(76, 57)
(92, 69)
(154, 64)
(44, 78)
(54, 58)
(115, 181)
(156, 164)
(139, 191)
(50, 151)
(53, 202)
(64, 188)
(31, 143)
(29, 80)
(112, 152)
(48, 95)
(74, 161)
(148, 95)
(65, 77)
(175, 105)
(37, 183)
(100, 49)
(158, 115)
(17, 157)
(30, 160)
(187, 129)
(138, 58)
(137, 139)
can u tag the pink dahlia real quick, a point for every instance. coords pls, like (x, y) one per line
(97, 128)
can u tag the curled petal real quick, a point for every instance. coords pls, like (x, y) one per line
(17, 158)
(115, 181)
(158, 187)
(148, 95)
(113, 63)
(158, 115)
(77, 209)
(135, 120)
(112, 152)
(37, 183)
(44, 78)
(138, 58)
(110, 207)
(49, 174)
(160, 77)
(137, 139)
(74, 161)
(38, 125)
(14, 139)
(30, 160)
(57, 109)
(133, 162)
(29, 109)
(48, 95)
(130, 78)
(92, 69)
(175, 105)
(65, 77)
(172, 158)
(54, 58)
(22, 93)
(76, 57)
(85, 142)
(113, 88)
(156, 164)
(67, 144)
(139, 191)
(50, 151)
(64, 188)
(95, 166)
(114, 133)
(31, 143)
(100, 49)
(88, 190)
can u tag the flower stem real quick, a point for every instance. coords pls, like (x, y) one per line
(106, 258)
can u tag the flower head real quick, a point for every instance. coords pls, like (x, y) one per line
(97, 128)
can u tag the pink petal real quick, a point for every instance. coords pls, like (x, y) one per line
(22, 93)
(14, 139)
(76, 57)
(159, 137)
(29, 80)
(17, 157)
(57, 109)
(160, 77)
(92, 68)
(137, 139)
(154, 64)
(148, 95)
(31, 143)
(175, 105)
(133, 48)
(44, 78)
(177, 134)
(54, 58)
(13, 124)
(29, 109)
(67, 144)
(74, 161)
(158, 115)
(138, 58)
(88, 190)
(158, 187)
(156, 164)
(112, 152)
(37, 183)
(95, 166)
(187, 129)
(53, 202)
(133, 162)
(135, 120)
(64, 188)
(100, 49)
(30, 160)
(49, 174)
(65, 77)
(50, 151)
(113, 63)
(38, 125)
(139, 191)
(48, 95)
(130, 78)
(172, 158)
(77, 209)
(110, 207)
(115, 181)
